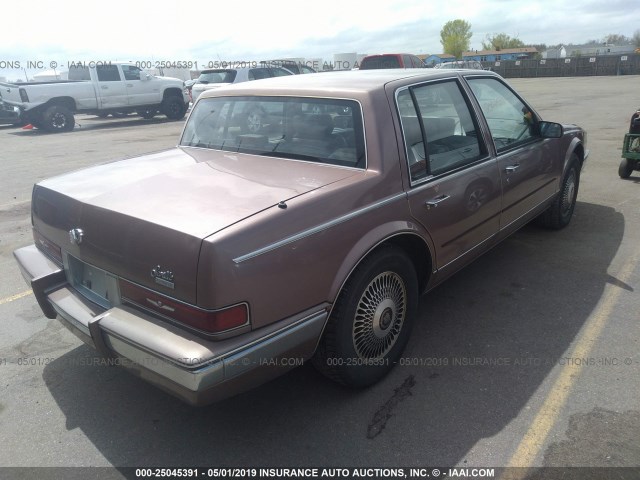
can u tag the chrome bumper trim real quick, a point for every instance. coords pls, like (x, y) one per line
(195, 369)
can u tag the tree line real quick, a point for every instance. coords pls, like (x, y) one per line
(455, 38)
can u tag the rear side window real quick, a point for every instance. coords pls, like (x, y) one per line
(217, 76)
(280, 72)
(440, 132)
(108, 73)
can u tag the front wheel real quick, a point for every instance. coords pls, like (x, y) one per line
(174, 108)
(625, 168)
(58, 118)
(371, 321)
(559, 214)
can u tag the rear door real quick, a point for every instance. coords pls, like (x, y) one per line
(455, 184)
(111, 88)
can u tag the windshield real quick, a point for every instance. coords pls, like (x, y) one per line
(312, 129)
(217, 76)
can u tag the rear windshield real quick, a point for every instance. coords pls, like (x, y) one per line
(381, 61)
(217, 76)
(311, 129)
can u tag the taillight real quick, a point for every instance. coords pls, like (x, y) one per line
(23, 95)
(47, 246)
(207, 321)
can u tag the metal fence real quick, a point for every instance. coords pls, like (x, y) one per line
(568, 67)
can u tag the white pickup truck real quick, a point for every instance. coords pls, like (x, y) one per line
(101, 89)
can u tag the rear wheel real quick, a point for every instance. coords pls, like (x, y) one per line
(559, 214)
(371, 321)
(174, 108)
(625, 168)
(58, 118)
(148, 113)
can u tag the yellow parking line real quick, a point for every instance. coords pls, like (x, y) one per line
(15, 297)
(538, 432)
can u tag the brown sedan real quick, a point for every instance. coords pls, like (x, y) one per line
(299, 218)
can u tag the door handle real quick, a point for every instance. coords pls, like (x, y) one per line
(512, 168)
(434, 202)
(104, 87)
(129, 85)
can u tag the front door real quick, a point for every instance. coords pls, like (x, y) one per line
(141, 89)
(527, 167)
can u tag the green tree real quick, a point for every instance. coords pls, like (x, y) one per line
(636, 38)
(501, 41)
(455, 37)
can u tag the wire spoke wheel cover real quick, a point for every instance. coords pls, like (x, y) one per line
(380, 314)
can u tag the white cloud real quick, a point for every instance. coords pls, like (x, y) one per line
(254, 30)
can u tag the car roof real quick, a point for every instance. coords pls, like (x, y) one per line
(344, 83)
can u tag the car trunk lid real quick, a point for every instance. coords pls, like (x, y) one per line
(144, 219)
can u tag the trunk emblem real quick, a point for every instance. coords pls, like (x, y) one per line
(162, 276)
(75, 236)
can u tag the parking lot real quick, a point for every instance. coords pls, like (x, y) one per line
(528, 357)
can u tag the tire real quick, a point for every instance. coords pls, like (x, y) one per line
(102, 115)
(625, 168)
(371, 320)
(559, 214)
(147, 114)
(58, 118)
(174, 108)
(254, 121)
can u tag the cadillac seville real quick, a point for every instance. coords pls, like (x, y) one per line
(299, 217)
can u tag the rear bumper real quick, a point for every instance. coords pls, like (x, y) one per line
(197, 370)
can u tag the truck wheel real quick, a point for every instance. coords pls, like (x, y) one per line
(174, 108)
(371, 320)
(58, 118)
(559, 214)
(625, 168)
(148, 113)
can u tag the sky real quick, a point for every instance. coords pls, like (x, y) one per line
(64, 31)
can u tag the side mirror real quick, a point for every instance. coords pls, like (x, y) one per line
(550, 129)
(145, 76)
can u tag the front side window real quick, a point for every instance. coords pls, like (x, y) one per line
(311, 129)
(440, 132)
(511, 121)
(131, 72)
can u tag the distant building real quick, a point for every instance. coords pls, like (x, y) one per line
(588, 50)
(498, 55)
(344, 61)
(50, 76)
(436, 59)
